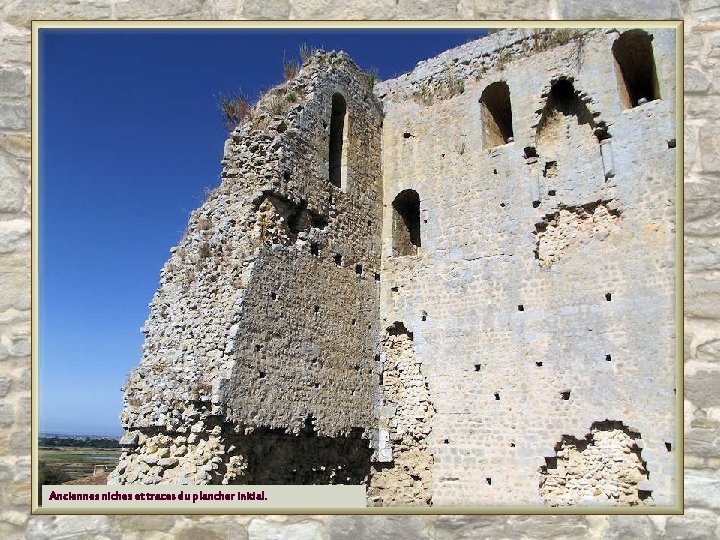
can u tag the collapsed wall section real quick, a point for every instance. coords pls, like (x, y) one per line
(261, 338)
(402, 475)
(605, 466)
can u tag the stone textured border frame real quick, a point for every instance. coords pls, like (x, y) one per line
(677, 25)
(702, 291)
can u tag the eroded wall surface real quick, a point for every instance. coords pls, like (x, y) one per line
(262, 339)
(541, 296)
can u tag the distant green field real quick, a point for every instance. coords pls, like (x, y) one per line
(78, 462)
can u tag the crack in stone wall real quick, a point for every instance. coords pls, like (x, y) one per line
(603, 468)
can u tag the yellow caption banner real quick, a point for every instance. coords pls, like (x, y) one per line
(170, 497)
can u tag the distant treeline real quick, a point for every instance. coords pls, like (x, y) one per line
(83, 442)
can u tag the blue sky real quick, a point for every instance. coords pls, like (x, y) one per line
(130, 137)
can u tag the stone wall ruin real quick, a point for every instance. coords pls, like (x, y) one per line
(431, 287)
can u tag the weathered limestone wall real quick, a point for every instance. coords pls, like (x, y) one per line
(266, 314)
(541, 298)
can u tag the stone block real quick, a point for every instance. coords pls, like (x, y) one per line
(160, 9)
(622, 9)
(274, 9)
(696, 524)
(471, 527)
(15, 115)
(14, 82)
(327, 9)
(702, 388)
(622, 527)
(51, 527)
(702, 489)
(22, 12)
(710, 149)
(261, 529)
(400, 528)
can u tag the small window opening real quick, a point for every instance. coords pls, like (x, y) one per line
(608, 358)
(530, 152)
(261, 375)
(394, 289)
(635, 68)
(358, 269)
(496, 113)
(257, 348)
(446, 441)
(550, 169)
(338, 259)
(407, 135)
(338, 118)
(512, 445)
(423, 315)
(563, 101)
(565, 395)
(497, 396)
(273, 296)
(489, 481)
(551, 192)
(377, 276)
(314, 249)
(353, 322)
(521, 307)
(608, 297)
(538, 364)
(406, 223)
(316, 309)
(478, 367)
(671, 143)
(668, 446)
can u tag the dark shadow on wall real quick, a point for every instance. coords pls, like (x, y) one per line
(406, 223)
(635, 66)
(273, 457)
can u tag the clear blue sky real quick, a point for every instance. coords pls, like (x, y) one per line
(130, 136)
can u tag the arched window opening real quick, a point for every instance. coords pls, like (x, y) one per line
(635, 67)
(338, 118)
(496, 114)
(406, 223)
(563, 101)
